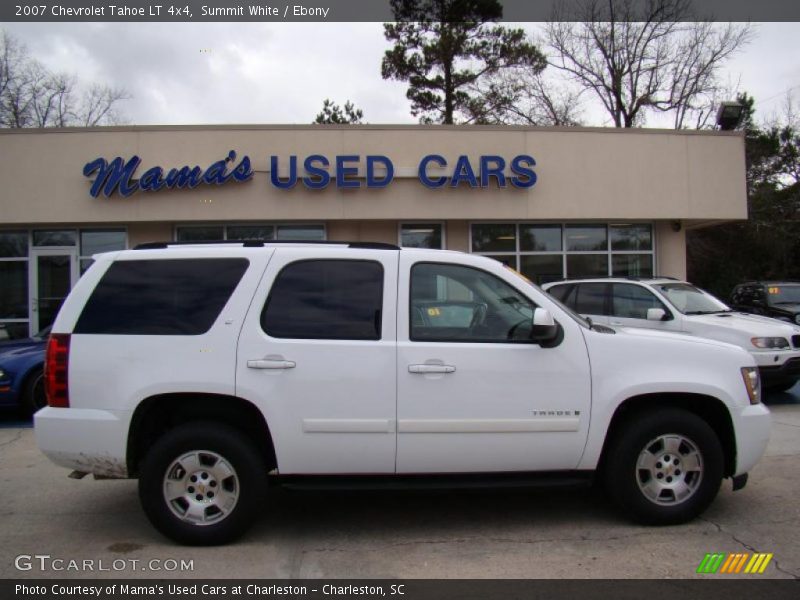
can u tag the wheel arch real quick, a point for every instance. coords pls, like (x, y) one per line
(712, 410)
(158, 414)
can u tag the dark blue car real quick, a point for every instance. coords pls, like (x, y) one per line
(21, 373)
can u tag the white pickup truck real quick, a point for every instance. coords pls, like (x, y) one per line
(209, 371)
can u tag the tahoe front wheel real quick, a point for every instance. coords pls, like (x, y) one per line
(202, 484)
(665, 467)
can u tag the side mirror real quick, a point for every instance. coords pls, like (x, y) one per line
(544, 329)
(656, 314)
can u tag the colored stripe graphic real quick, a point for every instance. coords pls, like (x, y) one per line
(758, 564)
(721, 562)
(711, 562)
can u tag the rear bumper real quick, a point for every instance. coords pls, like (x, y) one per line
(88, 440)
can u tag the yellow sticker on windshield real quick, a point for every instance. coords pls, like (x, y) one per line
(774, 290)
(434, 312)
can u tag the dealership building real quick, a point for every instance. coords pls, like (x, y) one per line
(551, 202)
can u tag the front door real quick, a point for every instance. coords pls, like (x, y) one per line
(53, 273)
(474, 394)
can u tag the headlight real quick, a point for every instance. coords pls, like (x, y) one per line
(2, 374)
(752, 382)
(770, 343)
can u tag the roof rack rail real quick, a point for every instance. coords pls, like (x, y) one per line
(262, 243)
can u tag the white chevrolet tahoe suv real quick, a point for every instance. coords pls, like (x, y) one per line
(210, 371)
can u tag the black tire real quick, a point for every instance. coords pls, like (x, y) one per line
(213, 449)
(675, 495)
(33, 397)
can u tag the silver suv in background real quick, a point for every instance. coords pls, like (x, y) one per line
(668, 304)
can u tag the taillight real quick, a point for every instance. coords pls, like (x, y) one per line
(56, 370)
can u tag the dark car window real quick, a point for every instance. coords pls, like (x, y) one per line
(326, 300)
(161, 297)
(630, 301)
(561, 292)
(591, 298)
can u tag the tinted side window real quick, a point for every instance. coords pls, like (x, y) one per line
(161, 297)
(326, 300)
(591, 299)
(632, 301)
(560, 292)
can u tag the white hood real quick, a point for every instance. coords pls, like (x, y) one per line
(738, 328)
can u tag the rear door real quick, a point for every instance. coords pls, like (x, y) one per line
(317, 355)
(630, 303)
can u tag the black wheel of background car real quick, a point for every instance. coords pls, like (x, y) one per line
(665, 467)
(33, 397)
(779, 387)
(202, 484)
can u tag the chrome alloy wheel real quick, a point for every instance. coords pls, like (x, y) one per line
(669, 469)
(201, 487)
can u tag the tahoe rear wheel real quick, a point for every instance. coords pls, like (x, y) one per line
(665, 467)
(202, 483)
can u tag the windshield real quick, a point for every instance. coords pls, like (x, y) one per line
(690, 300)
(783, 294)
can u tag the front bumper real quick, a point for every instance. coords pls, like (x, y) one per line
(752, 425)
(84, 439)
(779, 374)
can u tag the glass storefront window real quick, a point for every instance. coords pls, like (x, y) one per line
(632, 265)
(631, 237)
(421, 235)
(492, 237)
(96, 241)
(542, 268)
(586, 238)
(13, 244)
(211, 233)
(554, 251)
(251, 232)
(540, 238)
(580, 266)
(14, 286)
(301, 232)
(55, 238)
(201, 234)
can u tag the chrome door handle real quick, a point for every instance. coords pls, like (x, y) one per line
(431, 369)
(271, 364)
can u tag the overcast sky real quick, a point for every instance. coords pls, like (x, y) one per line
(196, 73)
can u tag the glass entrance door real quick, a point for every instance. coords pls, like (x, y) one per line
(52, 275)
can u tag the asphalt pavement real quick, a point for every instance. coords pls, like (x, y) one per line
(88, 528)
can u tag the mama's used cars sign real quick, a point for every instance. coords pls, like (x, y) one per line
(318, 172)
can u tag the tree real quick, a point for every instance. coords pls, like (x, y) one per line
(333, 114)
(32, 96)
(637, 57)
(767, 245)
(447, 51)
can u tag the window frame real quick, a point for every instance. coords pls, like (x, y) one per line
(441, 224)
(274, 224)
(609, 254)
